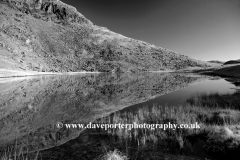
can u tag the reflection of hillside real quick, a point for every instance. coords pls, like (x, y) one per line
(29, 109)
(234, 81)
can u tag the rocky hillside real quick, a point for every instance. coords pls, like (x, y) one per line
(50, 36)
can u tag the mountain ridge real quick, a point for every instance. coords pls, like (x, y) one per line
(51, 36)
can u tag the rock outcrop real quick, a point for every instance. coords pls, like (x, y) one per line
(48, 35)
(48, 10)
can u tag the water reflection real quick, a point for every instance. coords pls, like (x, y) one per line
(179, 97)
(30, 108)
(149, 143)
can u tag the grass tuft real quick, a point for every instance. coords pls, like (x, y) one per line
(114, 155)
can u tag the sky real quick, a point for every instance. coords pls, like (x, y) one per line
(201, 29)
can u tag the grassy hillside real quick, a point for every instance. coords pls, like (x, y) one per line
(50, 36)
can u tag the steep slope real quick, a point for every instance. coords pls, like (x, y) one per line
(48, 35)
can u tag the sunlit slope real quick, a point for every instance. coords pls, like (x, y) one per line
(51, 36)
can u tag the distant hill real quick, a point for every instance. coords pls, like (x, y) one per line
(50, 36)
(232, 62)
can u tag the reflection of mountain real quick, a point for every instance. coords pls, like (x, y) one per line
(29, 109)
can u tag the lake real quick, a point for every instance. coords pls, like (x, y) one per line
(31, 107)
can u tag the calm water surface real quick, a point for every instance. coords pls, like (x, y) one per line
(180, 96)
(30, 108)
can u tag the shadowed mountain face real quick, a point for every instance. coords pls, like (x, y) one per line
(48, 35)
(30, 108)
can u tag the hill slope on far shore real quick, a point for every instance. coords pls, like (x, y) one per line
(50, 36)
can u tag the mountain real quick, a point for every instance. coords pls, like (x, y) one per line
(51, 36)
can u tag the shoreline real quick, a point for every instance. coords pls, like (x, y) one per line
(223, 71)
(4, 73)
(228, 71)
